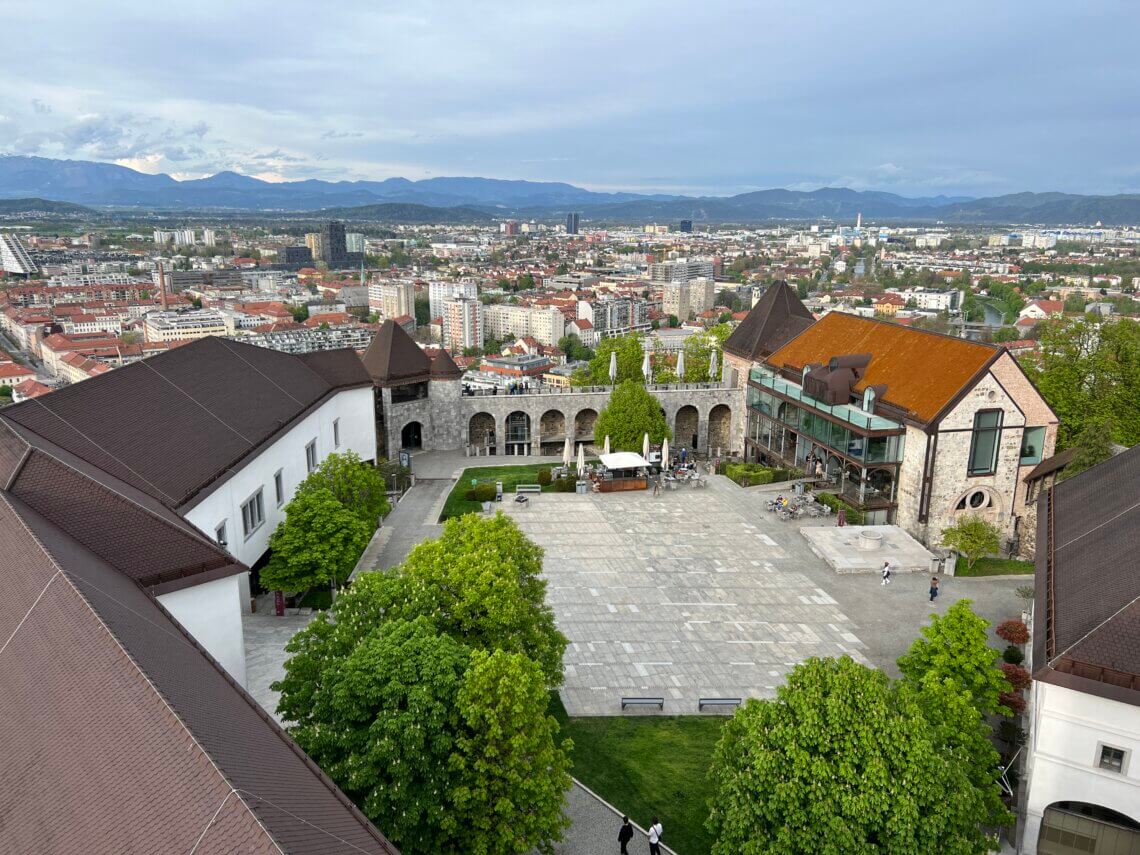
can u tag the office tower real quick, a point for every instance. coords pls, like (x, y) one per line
(354, 242)
(13, 257)
(572, 222)
(297, 255)
(686, 226)
(334, 251)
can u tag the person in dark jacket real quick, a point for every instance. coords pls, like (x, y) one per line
(625, 835)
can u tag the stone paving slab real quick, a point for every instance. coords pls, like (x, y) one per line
(678, 596)
(841, 548)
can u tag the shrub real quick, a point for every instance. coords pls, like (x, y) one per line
(1013, 631)
(1017, 676)
(564, 485)
(544, 477)
(854, 515)
(1013, 655)
(1013, 701)
(481, 493)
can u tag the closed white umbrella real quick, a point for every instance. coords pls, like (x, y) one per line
(606, 445)
(681, 366)
(613, 366)
(581, 460)
(665, 453)
(712, 366)
(567, 453)
(647, 368)
(645, 447)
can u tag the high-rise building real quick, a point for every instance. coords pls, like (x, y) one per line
(209, 238)
(702, 294)
(462, 324)
(675, 299)
(178, 237)
(573, 220)
(334, 249)
(680, 271)
(13, 257)
(613, 317)
(440, 292)
(510, 227)
(686, 226)
(315, 243)
(296, 255)
(393, 299)
(354, 242)
(504, 321)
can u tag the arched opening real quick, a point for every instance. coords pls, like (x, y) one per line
(552, 431)
(720, 429)
(584, 425)
(481, 433)
(411, 437)
(1068, 828)
(518, 433)
(685, 428)
(979, 501)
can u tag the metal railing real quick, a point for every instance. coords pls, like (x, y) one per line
(591, 390)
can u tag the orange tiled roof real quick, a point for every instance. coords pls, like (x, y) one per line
(922, 371)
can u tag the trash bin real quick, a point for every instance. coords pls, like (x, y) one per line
(583, 488)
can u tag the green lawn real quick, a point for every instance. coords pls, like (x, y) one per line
(994, 567)
(649, 765)
(511, 475)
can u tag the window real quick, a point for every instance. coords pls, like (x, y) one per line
(869, 400)
(1032, 441)
(336, 432)
(220, 534)
(279, 487)
(984, 442)
(311, 456)
(1112, 759)
(252, 514)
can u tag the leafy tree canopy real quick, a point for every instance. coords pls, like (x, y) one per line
(572, 346)
(319, 542)
(631, 413)
(629, 357)
(955, 647)
(844, 761)
(972, 537)
(357, 485)
(1093, 445)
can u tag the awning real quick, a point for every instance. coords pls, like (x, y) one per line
(623, 460)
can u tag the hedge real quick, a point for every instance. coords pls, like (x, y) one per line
(544, 477)
(481, 493)
(853, 515)
(751, 474)
(565, 485)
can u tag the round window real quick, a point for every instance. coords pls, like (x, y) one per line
(978, 499)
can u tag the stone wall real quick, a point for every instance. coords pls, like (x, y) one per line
(909, 494)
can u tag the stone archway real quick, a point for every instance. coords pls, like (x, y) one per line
(979, 501)
(686, 425)
(481, 433)
(552, 432)
(584, 424)
(720, 429)
(412, 436)
(518, 433)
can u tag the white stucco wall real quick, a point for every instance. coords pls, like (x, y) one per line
(353, 407)
(1067, 730)
(211, 612)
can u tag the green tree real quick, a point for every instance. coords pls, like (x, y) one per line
(1006, 334)
(357, 485)
(572, 346)
(629, 357)
(1092, 446)
(842, 761)
(972, 537)
(423, 310)
(513, 774)
(674, 321)
(382, 722)
(300, 313)
(955, 647)
(319, 542)
(631, 413)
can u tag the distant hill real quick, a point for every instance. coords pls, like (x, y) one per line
(41, 206)
(463, 200)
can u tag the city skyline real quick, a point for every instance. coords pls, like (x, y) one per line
(881, 96)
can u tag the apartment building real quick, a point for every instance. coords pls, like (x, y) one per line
(612, 317)
(681, 270)
(505, 321)
(13, 257)
(463, 325)
(184, 325)
(392, 298)
(439, 292)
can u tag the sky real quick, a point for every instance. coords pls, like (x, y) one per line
(709, 98)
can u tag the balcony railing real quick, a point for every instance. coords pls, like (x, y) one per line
(846, 413)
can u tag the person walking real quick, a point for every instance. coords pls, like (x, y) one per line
(655, 832)
(886, 573)
(933, 588)
(657, 484)
(625, 834)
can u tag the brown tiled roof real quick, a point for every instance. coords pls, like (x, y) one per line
(177, 422)
(393, 358)
(1087, 613)
(923, 371)
(776, 318)
(1050, 465)
(340, 367)
(120, 735)
(443, 367)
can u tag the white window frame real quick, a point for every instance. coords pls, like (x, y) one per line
(220, 533)
(249, 525)
(279, 486)
(336, 433)
(311, 462)
(1100, 749)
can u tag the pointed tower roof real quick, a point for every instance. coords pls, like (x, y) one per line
(443, 367)
(393, 359)
(776, 319)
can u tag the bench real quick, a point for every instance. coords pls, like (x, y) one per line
(643, 702)
(527, 488)
(718, 702)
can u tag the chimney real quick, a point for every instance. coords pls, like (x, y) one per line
(162, 286)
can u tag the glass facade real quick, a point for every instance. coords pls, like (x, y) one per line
(770, 416)
(984, 442)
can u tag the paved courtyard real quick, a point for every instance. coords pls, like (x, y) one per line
(702, 593)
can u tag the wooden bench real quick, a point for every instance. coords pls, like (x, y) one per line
(643, 702)
(718, 702)
(528, 488)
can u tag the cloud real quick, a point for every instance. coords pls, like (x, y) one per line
(41, 107)
(341, 135)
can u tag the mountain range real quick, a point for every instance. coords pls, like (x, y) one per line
(474, 199)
